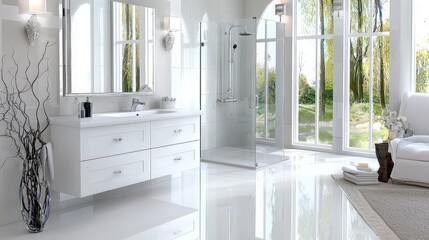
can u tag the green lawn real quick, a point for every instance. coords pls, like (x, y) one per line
(307, 124)
(359, 127)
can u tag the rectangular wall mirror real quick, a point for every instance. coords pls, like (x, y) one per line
(108, 48)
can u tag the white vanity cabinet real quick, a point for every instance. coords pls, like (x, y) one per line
(99, 154)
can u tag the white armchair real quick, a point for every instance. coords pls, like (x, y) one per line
(411, 155)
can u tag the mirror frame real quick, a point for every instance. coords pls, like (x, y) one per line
(65, 49)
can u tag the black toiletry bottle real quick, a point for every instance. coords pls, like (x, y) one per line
(88, 108)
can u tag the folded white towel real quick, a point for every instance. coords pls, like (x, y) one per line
(361, 182)
(353, 170)
(47, 159)
(361, 178)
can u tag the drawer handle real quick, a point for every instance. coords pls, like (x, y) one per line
(178, 159)
(118, 140)
(117, 172)
(178, 131)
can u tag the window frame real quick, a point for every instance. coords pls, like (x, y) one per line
(413, 85)
(347, 36)
(317, 37)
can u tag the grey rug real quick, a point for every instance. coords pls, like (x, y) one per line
(392, 211)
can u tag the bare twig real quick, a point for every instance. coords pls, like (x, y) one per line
(24, 130)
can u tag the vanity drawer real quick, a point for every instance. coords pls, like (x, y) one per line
(184, 228)
(109, 173)
(169, 132)
(107, 141)
(173, 159)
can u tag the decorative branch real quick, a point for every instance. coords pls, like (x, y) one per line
(24, 130)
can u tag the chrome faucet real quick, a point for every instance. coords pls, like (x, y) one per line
(136, 102)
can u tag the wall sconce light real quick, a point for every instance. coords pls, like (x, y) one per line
(280, 10)
(171, 24)
(33, 27)
(337, 5)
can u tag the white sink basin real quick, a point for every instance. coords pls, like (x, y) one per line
(137, 114)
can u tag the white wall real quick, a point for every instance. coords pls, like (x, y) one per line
(401, 55)
(13, 38)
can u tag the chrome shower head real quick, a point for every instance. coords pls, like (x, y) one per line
(245, 34)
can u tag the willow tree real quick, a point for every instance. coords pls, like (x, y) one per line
(422, 71)
(130, 23)
(379, 17)
(127, 57)
(325, 8)
(358, 52)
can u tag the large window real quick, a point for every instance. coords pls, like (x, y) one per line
(421, 41)
(368, 72)
(314, 55)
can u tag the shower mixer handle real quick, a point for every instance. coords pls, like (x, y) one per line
(227, 100)
(256, 102)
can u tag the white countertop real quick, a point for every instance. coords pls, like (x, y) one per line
(101, 120)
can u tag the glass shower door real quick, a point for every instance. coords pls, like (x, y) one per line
(228, 58)
(242, 62)
(270, 91)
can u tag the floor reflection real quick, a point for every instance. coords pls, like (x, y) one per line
(297, 199)
(157, 210)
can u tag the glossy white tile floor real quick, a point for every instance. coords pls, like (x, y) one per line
(296, 199)
(234, 156)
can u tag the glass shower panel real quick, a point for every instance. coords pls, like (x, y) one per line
(244, 79)
(260, 90)
(242, 92)
(270, 60)
(271, 90)
(228, 99)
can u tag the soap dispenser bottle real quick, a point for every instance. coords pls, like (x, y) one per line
(88, 108)
(81, 111)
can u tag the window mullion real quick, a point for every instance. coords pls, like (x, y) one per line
(371, 76)
(315, 36)
(317, 87)
(371, 91)
(346, 72)
(266, 81)
(133, 24)
(414, 49)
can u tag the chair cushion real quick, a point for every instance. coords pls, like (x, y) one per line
(418, 151)
(414, 106)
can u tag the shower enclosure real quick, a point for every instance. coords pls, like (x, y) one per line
(242, 74)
